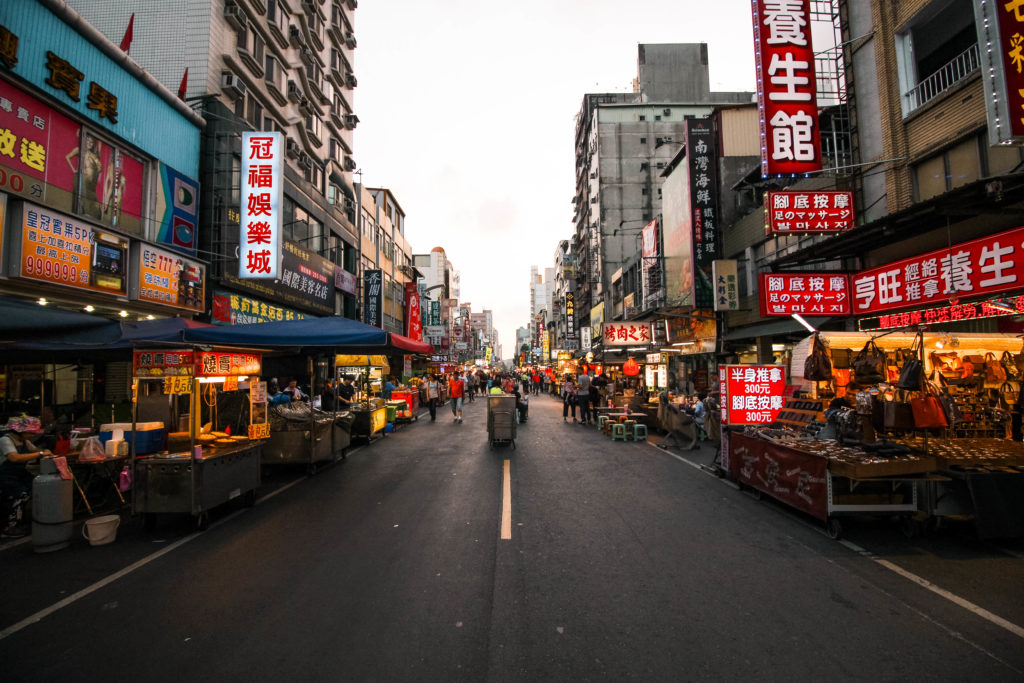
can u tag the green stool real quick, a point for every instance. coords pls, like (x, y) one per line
(601, 419)
(637, 430)
(618, 432)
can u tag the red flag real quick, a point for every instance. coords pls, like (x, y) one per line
(126, 42)
(184, 85)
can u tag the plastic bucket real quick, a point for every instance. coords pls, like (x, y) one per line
(101, 530)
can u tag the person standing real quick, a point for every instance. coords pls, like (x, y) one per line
(346, 392)
(535, 380)
(15, 480)
(433, 388)
(596, 385)
(329, 397)
(583, 397)
(569, 395)
(389, 386)
(456, 389)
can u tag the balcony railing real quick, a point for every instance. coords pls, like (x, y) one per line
(961, 66)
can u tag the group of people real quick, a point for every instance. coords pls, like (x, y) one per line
(333, 395)
(583, 391)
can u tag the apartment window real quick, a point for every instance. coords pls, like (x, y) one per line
(274, 73)
(643, 190)
(643, 141)
(278, 16)
(336, 250)
(937, 50)
(254, 111)
(642, 117)
(314, 126)
(314, 174)
(337, 152)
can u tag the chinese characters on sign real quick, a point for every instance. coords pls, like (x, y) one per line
(723, 273)
(215, 363)
(166, 278)
(626, 334)
(373, 297)
(702, 164)
(413, 313)
(260, 238)
(570, 321)
(234, 309)
(789, 213)
(163, 363)
(944, 314)
(805, 293)
(650, 277)
(752, 394)
(786, 87)
(66, 78)
(970, 269)
(1000, 34)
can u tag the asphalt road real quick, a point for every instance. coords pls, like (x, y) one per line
(624, 562)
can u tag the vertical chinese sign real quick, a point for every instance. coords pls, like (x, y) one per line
(786, 87)
(702, 163)
(751, 394)
(413, 314)
(1000, 27)
(262, 189)
(650, 272)
(373, 298)
(727, 296)
(570, 321)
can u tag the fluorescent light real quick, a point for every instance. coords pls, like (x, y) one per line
(90, 308)
(123, 314)
(800, 319)
(149, 317)
(42, 301)
(210, 380)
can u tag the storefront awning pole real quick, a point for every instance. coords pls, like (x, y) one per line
(312, 417)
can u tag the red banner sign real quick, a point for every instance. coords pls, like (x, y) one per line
(214, 364)
(752, 394)
(413, 313)
(163, 363)
(797, 479)
(625, 334)
(971, 269)
(798, 213)
(786, 87)
(805, 293)
(943, 314)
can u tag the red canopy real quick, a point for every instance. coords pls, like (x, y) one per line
(410, 345)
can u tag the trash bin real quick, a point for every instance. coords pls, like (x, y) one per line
(392, 412)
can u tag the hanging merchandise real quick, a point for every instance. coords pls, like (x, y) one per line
(994, 372)
(912, 372)
(818, 367)
(869, 365)
(928, 411)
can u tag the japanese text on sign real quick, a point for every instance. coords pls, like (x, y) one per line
(813, 293)
(625, 334)
(752, 394)
(260, 238)
(970, 269)
(786, 87)
(808, 212)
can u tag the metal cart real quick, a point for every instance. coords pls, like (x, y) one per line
(501, 419)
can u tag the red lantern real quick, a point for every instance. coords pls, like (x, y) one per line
(631, 368)
(549, 372)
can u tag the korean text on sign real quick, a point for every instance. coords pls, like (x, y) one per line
(971, 269)
(260, 238)
(805, 293)
(752, 394)
(786, 87)
(808, 212)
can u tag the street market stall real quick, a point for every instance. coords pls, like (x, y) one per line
(218, 407)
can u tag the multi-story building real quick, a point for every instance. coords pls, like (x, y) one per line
(265, 65)
(623, 142)
(383, 247)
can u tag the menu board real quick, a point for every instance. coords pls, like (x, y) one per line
(752, 394)
(217, 363)
(163, 364)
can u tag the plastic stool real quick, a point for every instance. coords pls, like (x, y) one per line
(618, 432)
(601, 419)
(628, 425)
(637, 429)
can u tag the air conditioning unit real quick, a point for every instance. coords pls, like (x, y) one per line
(292, 149)
(350, 164)
(232, 85)
(235, 15)
(294, 91)
(350, 80)
(305, 161)
(351, 120)
(666, 112)
(295, 36)
(350, 40)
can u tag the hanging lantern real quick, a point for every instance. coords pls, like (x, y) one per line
(631, 368)
(549, 372)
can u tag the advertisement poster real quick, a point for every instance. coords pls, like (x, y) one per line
(230, 308)
(413, 314)
(64, 251)
(677, 238)
(164, 277)
(110, 183)
(752, 394)
(177, 209)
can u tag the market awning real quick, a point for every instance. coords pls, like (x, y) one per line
(23, 320)
(410, 345)
(119, 336)
(782, 326)
(326, 332)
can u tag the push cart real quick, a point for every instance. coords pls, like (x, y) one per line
(501, 419)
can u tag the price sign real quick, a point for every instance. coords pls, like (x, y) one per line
(178, 385)
(259, 431)
(258, 392)
(230, 384)
(752, 394)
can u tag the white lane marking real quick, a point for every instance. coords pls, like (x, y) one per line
(506, 502)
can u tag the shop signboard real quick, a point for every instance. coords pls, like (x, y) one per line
(953, 313)
(434, 330)
(306, 281)
(413, 314)
(693, 334)
(570, 315)
(219, 364)
(727, 296)
(163, 363)
(435, 313)
(783, 294)
(60, 250)
(752, 394)
(653, 358)
(790, 212)
(545, 343)
(585, 344)
(262, 188)
(177, 209)
(373, 297)
(167, 278)
(786, 87)
(677, 238)
(626, 334)
(978, 268)
(650, 271)
(232, 308)
(702, 169)
(999, 27)
(345, 281)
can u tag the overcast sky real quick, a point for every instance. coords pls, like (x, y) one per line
(467, 107)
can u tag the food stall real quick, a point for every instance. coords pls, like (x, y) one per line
(369, 412)
(218, 407)
(410, 396)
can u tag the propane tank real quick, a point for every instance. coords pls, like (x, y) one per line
(51, 508)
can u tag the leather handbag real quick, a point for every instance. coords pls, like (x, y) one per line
(1009, 393)
(818, 367)
(912, 372)
(841, 376)
(929, 412)
(898, 415)
(952, 410)
(869, 365)
(994, 372)
(1009, 364)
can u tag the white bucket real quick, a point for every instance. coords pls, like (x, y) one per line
(101, 530)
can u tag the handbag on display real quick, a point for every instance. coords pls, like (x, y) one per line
(929, 412)
(994, 372)
(947, 363)
(818, 367)
(912, 372)
(841, 376)
(954, 415)
(1009, 394)
(1009, 364)
(869, 365)
(898, 415)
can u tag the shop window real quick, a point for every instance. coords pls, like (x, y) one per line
(953, 168)
(937, 50)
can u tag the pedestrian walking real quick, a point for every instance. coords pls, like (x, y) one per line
(433, 388)
(569, 396)
(583, 397)
(456, 390)
(535, 380)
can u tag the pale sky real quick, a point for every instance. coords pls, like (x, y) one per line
(466, 112)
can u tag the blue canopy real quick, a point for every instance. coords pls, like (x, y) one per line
(23, 320)
(115, 336)
(328, 332)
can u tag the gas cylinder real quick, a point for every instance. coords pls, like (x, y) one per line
(51, 508)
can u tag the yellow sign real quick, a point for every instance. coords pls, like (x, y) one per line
(230, 384)
(259, 431)
(378, 420)
(178, 385)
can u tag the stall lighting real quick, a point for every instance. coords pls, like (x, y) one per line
(123, 314)
(90, 308)
(800, 319)
(42, 301)
(210, 380)
(149, 317)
